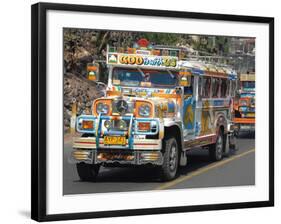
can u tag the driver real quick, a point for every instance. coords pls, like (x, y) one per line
(146, 77)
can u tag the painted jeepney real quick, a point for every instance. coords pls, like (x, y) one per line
(156, 108)
(244, 104)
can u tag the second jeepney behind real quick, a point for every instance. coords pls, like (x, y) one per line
(244, 105)
(156, 108)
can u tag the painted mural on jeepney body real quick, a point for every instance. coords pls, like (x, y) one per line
(207, 111)
(200, 115)
(189, 109)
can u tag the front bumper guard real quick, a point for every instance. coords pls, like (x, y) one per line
(136, 157)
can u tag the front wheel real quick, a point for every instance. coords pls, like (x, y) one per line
(87, 172)
(216, 150)
(169, 167)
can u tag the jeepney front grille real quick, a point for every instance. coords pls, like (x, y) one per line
(116, 125)
(129, 110)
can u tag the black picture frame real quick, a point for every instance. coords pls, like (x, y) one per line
(39, 108)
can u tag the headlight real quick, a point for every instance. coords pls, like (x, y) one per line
(122, 125)
(102, 108)
(107, 124)
(144, 110)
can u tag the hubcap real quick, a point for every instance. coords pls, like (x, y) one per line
(173, 158)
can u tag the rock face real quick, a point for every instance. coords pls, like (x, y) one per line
(81, 46)
(80, 91)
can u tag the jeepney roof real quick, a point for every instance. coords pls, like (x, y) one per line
(152, 59)
(207, 69)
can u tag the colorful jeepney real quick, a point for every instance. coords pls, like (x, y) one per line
(244, 105)
(156, 108)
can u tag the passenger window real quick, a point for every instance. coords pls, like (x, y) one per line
(206, 87)
(224, 87)
(227, 87)
(215, 87)
(200, 87)
(233, 88)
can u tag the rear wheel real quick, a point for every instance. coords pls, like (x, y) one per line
(87, 172)
(169, 167)
(216, 150)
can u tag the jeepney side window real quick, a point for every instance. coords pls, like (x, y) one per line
(215, 87)
(228, 87)
(224, 87)
(188, 90)
(233, 88)
(206, 87)
(200, 88)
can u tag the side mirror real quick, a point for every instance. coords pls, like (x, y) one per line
(93, 71)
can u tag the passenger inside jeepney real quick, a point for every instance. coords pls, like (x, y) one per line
(215, 87)
(224, 87)
(146, 77)
(206, 87)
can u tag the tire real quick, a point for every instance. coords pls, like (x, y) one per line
(216, 150)
(238, 134)
(168, 169)
(87, 172)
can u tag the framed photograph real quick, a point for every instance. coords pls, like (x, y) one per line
(139, 111)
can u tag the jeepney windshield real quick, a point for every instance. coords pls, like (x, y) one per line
(144, 78)
(248, 84)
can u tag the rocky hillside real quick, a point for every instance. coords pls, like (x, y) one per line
(83, 92)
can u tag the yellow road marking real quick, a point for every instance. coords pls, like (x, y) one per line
(202, 170)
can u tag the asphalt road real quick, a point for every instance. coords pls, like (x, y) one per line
(236, 170)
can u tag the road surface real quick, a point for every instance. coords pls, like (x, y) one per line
(236, 170)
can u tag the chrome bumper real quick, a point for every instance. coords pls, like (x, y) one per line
(137, 144)
(244, 127)
(134, 157)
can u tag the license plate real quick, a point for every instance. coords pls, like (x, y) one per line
(115, 140)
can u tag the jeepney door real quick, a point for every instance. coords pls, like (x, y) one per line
(189, 105)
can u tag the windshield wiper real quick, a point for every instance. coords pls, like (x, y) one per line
(143, 75)
(171, 74)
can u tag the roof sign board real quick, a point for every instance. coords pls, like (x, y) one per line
(247, 77)
(142, 60)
